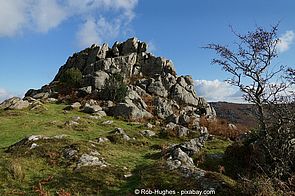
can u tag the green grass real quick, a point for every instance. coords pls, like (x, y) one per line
(21, 169)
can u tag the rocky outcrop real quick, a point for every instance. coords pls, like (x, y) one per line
(153, 87)
(14, 103)
(178, 156)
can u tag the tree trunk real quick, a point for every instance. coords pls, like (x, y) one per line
(261, 119)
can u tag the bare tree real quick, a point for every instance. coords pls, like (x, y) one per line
(250, 63)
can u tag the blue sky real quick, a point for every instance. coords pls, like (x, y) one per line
(37, 36)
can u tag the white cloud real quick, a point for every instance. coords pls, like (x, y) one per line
(12, 17)
(97, 31)
(103, 19)
(47, 14)
(4, 94)
(215, 90)
(285, 41)
(88, 33)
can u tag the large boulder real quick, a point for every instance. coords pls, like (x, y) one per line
(7, 103)
(130, 111)
(90, 109)
(14, 103)
(182, 96)
(179, 159)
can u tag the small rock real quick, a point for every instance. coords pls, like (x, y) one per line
(85, 90)
(150, 126)
(62, 136)
(94, 117)
(232, 126)
(65, 112)
(94, 153)
(52, 100)
(34, 145)
(89, 160)
(182, 131)
(71, 123)
(108, 122)
(121, 132)
(147, 133)
(76, 118)
(35, 137)
(101, 113)
(76, 105)
(102, 140)
(171, 125)
(70, 153)
(127, 175)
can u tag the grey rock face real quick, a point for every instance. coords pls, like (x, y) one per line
(152, 65)
(133, 98)
(182, 96)
(115, 49)
(163, 107)
(157, 88)
(130, 46)
(100, 79)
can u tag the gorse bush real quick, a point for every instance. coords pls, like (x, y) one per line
(114, 89)
(71, 77)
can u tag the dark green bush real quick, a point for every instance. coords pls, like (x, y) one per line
(71, 77)
(115, 89)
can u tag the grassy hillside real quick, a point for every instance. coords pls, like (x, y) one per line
(138, 163)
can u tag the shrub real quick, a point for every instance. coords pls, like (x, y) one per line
(149, 100)
(220, 127)
(71, 77)
(115, 89)
(261, 185)
(16, 170)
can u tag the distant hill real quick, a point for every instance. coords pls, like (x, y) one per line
(236, 113)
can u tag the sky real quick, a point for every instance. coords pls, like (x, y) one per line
(37, 36)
